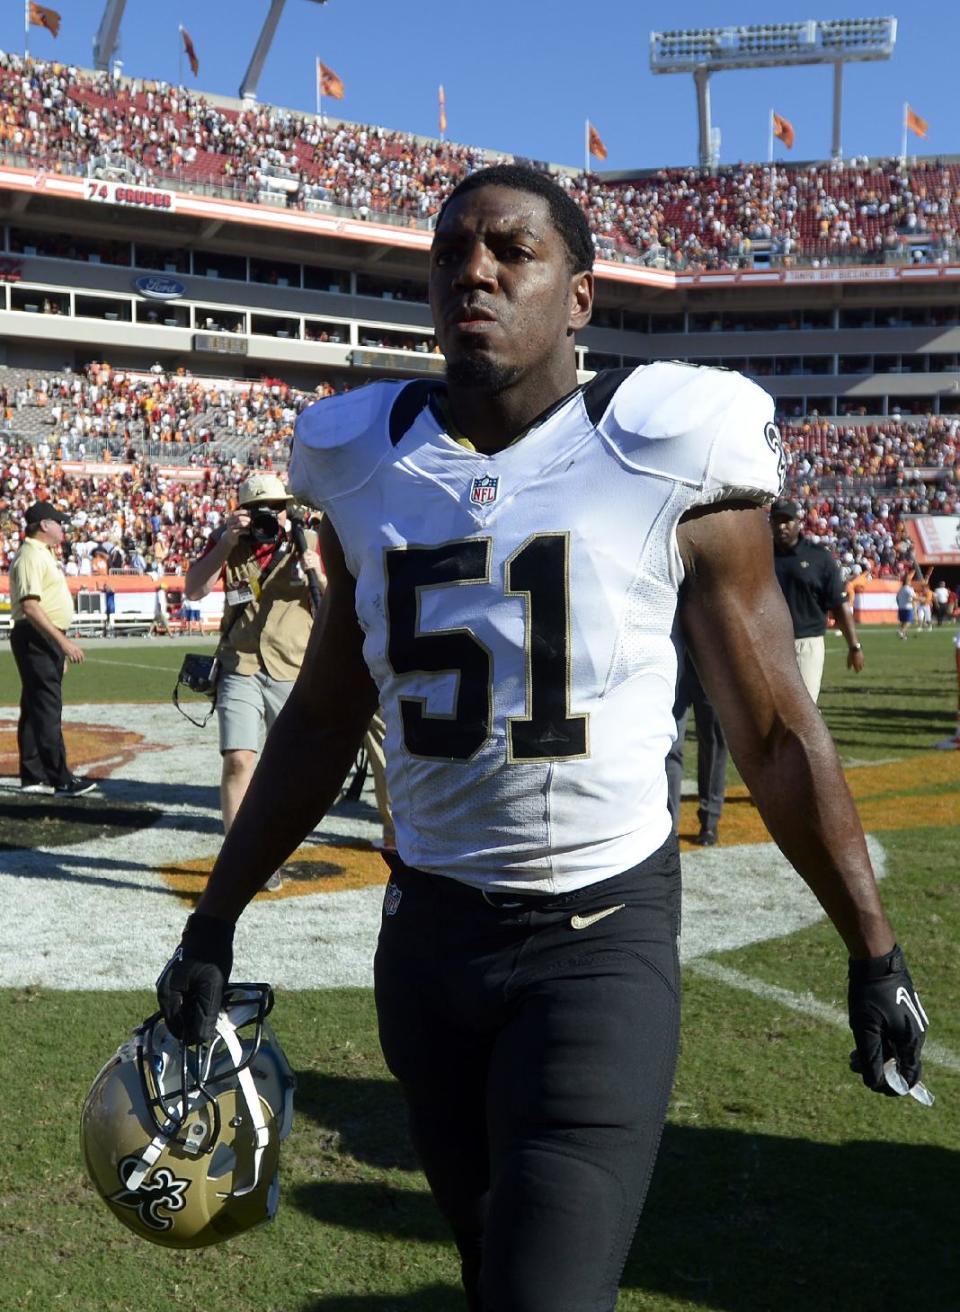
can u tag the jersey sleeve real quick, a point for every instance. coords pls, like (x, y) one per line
(339, 442)
(747, 460)
(710, 429)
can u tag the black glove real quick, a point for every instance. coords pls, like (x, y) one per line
(887, 1020)
(191, 984)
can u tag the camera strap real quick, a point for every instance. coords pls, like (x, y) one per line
(252, 581)
(215, 670)
(255, 579)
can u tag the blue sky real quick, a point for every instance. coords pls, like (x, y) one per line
(522, 76)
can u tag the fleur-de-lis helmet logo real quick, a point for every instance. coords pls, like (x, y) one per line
(161, 1189)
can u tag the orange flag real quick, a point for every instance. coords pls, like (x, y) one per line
(443, 111)
(917, 124)
(597, 149)
(190, 51)
(783, 128)
(328, 84)
(42, 17)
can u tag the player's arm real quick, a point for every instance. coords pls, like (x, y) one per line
(307, 754)
(737, 625)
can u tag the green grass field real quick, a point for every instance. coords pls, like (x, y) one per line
(781, 1184)
(114, 671)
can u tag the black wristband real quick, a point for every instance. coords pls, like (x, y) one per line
(208, 938)
(870, 968)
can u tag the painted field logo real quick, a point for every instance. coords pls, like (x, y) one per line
(483, 491)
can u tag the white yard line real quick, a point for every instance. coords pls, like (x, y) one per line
(805, 1003)
(129, 665)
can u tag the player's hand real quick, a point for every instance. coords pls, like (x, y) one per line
(191, 984)
(887, 1020)
(74, 654)
(855, 658)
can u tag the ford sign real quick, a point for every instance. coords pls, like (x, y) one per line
(160, 288)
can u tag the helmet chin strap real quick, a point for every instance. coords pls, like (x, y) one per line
(227, 1032)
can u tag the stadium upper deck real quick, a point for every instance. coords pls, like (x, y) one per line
(145, 223)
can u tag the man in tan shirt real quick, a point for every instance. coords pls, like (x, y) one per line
(266, 625)
(42, 610)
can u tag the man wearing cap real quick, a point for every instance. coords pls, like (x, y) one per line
(810, 580)
(42, 610)
(266, 624)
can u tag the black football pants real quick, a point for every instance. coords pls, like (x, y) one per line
(40, 664)
(535, 1044)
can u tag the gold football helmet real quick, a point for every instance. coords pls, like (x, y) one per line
(183, 1143)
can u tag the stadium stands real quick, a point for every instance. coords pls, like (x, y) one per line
(149, 457)
(108, 413)
(62, 119)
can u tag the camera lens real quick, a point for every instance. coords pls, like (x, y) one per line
(264, 526)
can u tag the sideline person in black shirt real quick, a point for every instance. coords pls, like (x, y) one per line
(712, 754)
(809, 578)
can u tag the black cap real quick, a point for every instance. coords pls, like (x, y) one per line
(41, 510)
(784, 508)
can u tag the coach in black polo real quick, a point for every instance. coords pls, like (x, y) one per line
(810, 580)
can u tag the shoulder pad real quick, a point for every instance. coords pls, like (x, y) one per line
(339, 441)
(679, 421)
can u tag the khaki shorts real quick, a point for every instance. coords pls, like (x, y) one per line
(247, 705)
(810, 660)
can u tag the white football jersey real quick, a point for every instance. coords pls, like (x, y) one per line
(518, 607)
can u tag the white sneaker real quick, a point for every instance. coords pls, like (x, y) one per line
(37, 788)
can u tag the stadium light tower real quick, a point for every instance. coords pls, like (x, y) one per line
(251, 79)
(705, 50)
(106, 40)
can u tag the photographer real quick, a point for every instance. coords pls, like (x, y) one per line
(266, 625)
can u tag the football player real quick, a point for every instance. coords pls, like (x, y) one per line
(507, 556)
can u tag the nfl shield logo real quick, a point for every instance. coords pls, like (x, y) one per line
(483, 491)
(391, 899)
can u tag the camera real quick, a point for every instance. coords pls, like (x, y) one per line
(265, 526)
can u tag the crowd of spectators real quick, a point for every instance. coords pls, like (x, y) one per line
(840, 212)
(105, 412)
(59, 118)
(857, 482)
(133, 518)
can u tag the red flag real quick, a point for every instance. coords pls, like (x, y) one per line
(190, 51)
(42, 17)
(917, 124)
(443, 111)
(328, 84)
(783, 128)
(597, 149)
